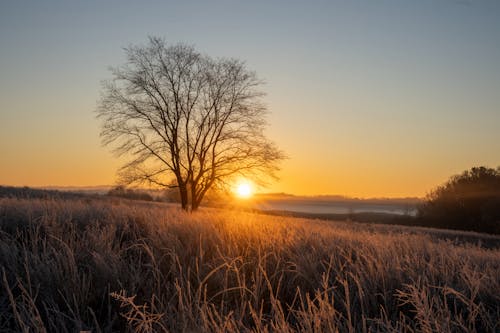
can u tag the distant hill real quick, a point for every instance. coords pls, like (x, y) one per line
(336, 206)
(99, 189)
(338, 198)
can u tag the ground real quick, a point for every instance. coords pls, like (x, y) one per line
(117, 265)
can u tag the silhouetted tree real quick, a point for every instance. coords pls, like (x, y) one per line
(183, 115)
(469, 201)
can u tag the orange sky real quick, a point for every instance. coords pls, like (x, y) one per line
(369, 100)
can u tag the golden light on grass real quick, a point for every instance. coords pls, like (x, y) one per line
(244, 190)
(224, 264)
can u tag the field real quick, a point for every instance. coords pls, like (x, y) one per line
(116, 265)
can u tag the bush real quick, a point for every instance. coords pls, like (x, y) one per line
(469, 201)
(122, 192)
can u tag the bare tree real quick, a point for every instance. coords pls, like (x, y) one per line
(186, 119)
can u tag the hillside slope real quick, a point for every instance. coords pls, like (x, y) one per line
(116, 265)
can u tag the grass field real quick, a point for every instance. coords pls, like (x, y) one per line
(117, 265)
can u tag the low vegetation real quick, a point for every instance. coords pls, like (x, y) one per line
(118, 265)
(469, 201)
(127, 193)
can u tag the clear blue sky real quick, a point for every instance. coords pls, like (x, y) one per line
(368, 98)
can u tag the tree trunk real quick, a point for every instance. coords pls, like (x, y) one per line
(195, 203)
(184, 197)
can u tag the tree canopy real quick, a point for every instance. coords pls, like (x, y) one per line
(186, 120)
(469, 201)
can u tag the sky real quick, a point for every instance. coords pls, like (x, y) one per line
(367, 98)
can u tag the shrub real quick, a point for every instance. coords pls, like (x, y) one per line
(127, 193)
(469, 201)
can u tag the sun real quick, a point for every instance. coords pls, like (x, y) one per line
(244, 190)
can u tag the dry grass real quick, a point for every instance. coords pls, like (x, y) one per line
(120, 266)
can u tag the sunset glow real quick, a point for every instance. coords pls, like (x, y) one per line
(367, 99)
(244, 190)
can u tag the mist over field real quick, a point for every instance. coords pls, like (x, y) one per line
(337, 205)
(333, 204)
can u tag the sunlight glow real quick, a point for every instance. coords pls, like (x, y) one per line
(244, 190)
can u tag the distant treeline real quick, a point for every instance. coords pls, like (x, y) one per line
(32, 193)
(325, 199)
(119, 191)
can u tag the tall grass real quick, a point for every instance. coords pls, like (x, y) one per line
(70, 265)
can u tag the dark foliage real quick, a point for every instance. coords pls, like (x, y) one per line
(469, 201)
(32, 193)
